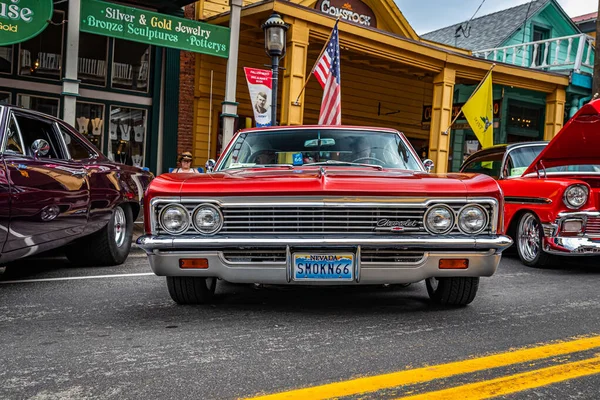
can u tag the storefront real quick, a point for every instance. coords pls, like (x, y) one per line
(388, 77)
(128, 72)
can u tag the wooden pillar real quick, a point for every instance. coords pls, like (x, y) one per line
(555, 113)
(295, 72)
(441, 116)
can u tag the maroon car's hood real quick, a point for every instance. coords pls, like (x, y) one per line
(326, 181)
(577, 143)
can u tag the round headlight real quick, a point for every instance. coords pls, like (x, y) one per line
(439, 219)
(207, 219)
(472, 219)
(174, 219)
(576, 196)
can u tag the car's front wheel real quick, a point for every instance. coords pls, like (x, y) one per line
(109, 246)
(191, 290)
(452, 291)
(530, 236)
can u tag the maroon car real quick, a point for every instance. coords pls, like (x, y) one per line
(58, 190)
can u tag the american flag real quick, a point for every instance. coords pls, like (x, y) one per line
(327, 72)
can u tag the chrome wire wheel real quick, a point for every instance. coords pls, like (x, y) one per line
(120, 226)
(529, 238)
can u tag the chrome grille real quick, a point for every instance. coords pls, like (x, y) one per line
(390, 256)
(367, 255)
(592, 227)
(312, 220)
(288, 219)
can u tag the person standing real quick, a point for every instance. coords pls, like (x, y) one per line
(185, 162)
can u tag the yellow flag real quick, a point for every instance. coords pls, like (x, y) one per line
(479, 112)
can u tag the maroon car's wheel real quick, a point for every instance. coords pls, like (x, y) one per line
(109, 246)
(530, 239)
(452, 291)
(191, 290)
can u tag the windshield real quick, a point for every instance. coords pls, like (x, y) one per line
(297, 147)
(519, 159)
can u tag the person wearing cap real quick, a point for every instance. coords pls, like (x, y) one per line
(185, 162)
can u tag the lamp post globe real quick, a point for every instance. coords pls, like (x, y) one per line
(275, 30)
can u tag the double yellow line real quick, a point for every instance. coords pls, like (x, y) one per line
(478, 390)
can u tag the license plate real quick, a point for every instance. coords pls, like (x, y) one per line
(323, 266)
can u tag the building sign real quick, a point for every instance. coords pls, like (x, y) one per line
(20, 20)
(427, 110)
(143, 26)
(349, 10)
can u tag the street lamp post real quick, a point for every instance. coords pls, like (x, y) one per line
(275, 29)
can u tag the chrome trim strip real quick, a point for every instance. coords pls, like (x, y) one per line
(288, 264)
(358, 264)
(527, 200)
(571, 214)
(150, 242)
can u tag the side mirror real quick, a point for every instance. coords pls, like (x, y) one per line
(210, 165)
(40, 148)
(428, 164)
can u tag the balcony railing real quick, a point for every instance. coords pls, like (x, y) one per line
(574, 52)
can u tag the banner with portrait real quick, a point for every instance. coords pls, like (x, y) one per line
(259, 85)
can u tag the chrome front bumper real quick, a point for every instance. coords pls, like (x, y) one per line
(483, 254)
(557, 243)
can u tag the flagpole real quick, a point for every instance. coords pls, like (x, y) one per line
(297, 103)
(474, 91)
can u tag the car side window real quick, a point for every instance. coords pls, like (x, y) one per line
(489, 165)
(77, 149)
(14, 143)
(32, 129)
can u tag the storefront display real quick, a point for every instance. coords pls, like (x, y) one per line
(6, 54)
(42, 55)
(89, 122)
(127, 133)
(92, 64)
(46, 105)
(131, 65)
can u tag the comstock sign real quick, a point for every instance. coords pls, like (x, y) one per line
(20, 20)
(349, 10)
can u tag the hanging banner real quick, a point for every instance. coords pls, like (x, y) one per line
(148, 27)
(20, 20)
(260, 84)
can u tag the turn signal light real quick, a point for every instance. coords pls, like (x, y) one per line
(454, 264)
(195, 263)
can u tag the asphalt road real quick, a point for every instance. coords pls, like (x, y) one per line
(114, 333)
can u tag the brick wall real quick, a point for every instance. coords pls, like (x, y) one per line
(185, 134)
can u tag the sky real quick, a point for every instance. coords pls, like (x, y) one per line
(428, 15)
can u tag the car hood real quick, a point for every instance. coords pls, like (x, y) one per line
(577, 143)
(325, 181)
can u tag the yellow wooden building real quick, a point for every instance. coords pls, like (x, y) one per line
(388, 73)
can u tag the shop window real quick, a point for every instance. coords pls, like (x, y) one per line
(6, 59)
(127, 135)
(45, 105)
(89, 121)
(4, 98)
(92, 63)
(131, 65)
(524, 120)
(42, 55)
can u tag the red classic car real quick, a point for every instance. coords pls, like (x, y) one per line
(323, 205)
(57, 189)
(552, 190)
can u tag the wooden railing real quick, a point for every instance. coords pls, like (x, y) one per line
(567, 52)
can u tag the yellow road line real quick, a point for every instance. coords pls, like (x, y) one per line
(515, 383)
(425, 374)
